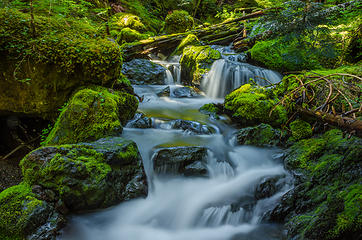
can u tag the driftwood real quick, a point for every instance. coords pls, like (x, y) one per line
(346, 123)
(219, 33)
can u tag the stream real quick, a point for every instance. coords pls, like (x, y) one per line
(219, 206)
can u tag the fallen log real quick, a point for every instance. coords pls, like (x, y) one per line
(166, 44)
(345, 123)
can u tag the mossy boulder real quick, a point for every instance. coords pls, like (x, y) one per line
(189, 40)
(88, 176)
(261, 135)
(326, 200)
(39, 74)
(250, 105)
(128, 35)
(92, 114)
(22, 214)
(178, 21)
(300, 129)
(196, 62)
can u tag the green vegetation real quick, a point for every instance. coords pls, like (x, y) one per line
(300, 129)
(92, 114)
(251, 105)
(178, 21)
(189, 40)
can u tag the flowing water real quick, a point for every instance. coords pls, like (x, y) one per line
(221, 206)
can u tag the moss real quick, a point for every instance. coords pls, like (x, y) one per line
(289, 56)
(300, 129)
(40, 73)
(191, 39)
(128, 35)
(209, 108)
(196, 61)
(17, 203)
(120, 21)
(261, 135)
(178, 21)
(92, 114)
(250, 105)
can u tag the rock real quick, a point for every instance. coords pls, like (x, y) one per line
(190, 40)
(300, 130)
(196, 62)
(92, 114)
(164, 92)
(122, 20)
(261, 135)
(140, 121)
(268, 187)
(88, 176)
(191, 126)
(142, 71)
(184, 92)
(250, 105)
(325, 201)
(178, 21)
(22, 214)
(187, 161)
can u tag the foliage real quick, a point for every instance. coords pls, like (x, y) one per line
(178, 21)
(300, 129)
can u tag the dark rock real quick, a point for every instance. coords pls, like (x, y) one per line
(261, 135)
(184, 92)
(142, 71)
(191, 126)
(268, 187)
(164, 92)
(140, 121)
(88, 176)
(187, 161)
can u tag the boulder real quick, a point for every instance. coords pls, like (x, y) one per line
(261, 135)
(250, 105)
(184, 92)
(142, 71)
(23, 215)
(88, 176)
(191, 126)
(178, 21)
(92, 114)
(187, 161)
(195, 62)
(140, 121)
(164, 92)
(268, 187)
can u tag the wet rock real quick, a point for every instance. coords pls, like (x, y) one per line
(142, 71)
(23, 214)
(191, 126)
(164, 92)
(184, 92)
(268, 187)
(187, 161)
(140, 121)
(261, 135)
(327, 170)
(88, 176)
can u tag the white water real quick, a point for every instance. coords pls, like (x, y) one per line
(230, 72)
(219, 207)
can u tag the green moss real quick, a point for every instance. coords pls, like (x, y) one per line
(128, 35)
(191, 39)
(300, 129)
(250, 105)
(261, 135)
(126, 20)
(92, 114)
(178, 21)
(16, 205)
(196, 61)
(209, 108)
(289, 56)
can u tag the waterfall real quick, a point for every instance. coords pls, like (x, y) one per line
(169, 78)
(226, 75)
(231, 72)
